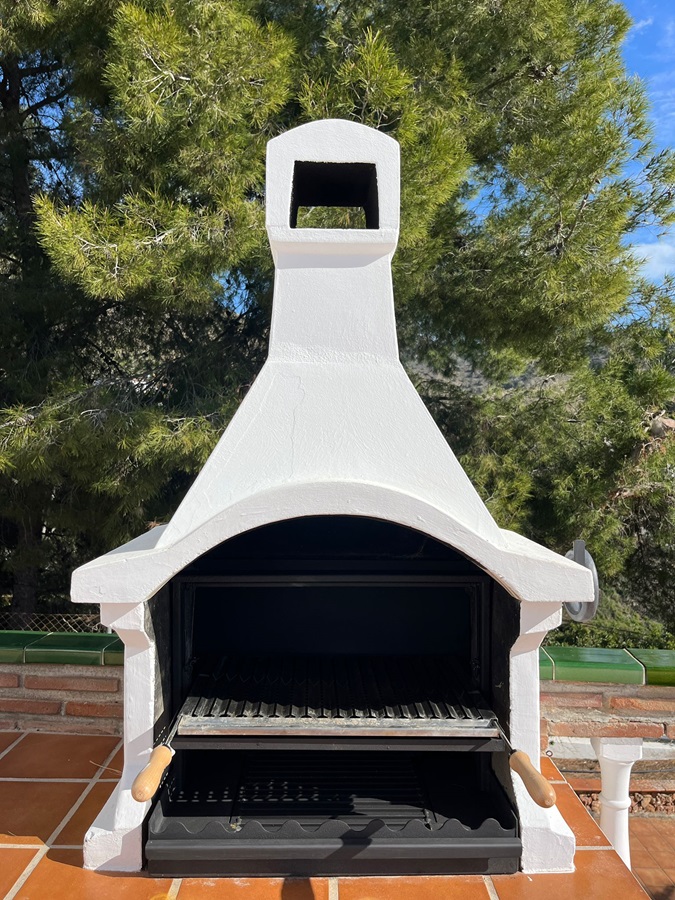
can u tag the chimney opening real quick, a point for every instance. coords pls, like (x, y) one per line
(350, 187)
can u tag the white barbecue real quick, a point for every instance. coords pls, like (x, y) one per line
(332, 427)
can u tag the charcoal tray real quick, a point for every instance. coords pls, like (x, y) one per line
(330, 813)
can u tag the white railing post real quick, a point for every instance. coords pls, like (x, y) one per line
(616, 757)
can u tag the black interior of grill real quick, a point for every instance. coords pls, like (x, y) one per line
(334, 619)
(330, 622)
(331, 813)
(334, 585)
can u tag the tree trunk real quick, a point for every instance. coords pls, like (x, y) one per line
(18, 156)
(26, 569)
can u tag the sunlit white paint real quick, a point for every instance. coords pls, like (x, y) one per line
(616, 757)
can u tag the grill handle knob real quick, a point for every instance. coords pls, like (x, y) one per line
(536, 785)
(147, 781)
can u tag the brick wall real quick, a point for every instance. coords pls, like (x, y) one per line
(573, 709)
(88, 699)
(79, 699)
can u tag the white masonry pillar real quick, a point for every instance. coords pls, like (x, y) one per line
(616, 757)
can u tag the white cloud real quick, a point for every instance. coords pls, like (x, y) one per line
(658, 258)
(642, 24)
(661, 90)
(668, 39)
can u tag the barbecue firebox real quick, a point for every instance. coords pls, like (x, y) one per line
(332, 647)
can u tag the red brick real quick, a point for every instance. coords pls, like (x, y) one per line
(97, 710)
(70, 683)
(7, 680)
(585, 782)
(670, 731)
(543, 734)
(34, 707)
(647, 785)
(71, 725)
(578, 700)
(606, 729)
(657, 705)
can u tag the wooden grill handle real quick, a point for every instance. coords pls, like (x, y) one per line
(541, 791)
(147, 781)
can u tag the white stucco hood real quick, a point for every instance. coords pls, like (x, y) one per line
(332, 424)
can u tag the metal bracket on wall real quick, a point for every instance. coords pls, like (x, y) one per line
(583, 612)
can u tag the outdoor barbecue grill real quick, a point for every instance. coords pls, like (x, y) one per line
(331, 651)
(384, 657)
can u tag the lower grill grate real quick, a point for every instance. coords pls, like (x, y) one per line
(330, 813)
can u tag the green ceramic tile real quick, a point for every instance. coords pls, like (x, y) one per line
(593, 664)
(545, 666)
(75, 649)
(12, 644)
(659, 664)
(114, 653)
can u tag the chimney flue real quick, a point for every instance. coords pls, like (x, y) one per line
(333, 296)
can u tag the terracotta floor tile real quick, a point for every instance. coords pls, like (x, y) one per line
(114, 767)
(70, 857)
(641, 827)
(432, 887)
(7, 738)
(662, 893)
(550, 770)
(653, 878)
(656, 841)
(73, 832)
(57, 756)
(599, 875)
(584, 782)
(33, 810)
(585, 829)
(668, 836)
(254, 889)
(665, 825)
(664, 858)
(640, 857)
(12, 864)
(59, 877)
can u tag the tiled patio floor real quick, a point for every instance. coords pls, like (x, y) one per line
(52, 786)
(652, 847)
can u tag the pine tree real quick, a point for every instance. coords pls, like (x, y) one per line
(527, 166)
(113, 395)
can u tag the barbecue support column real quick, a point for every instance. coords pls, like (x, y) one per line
(616, 757)
(115, 840)
(548, 842)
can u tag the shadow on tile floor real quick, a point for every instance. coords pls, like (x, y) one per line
(297, 889)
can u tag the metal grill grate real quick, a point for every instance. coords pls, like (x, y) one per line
(334, 695)
(352, 788)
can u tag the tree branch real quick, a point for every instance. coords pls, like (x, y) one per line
(49, 100)
(41, 69)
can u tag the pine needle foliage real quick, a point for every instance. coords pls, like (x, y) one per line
(136, 277)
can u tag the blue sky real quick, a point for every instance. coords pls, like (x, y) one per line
(650, 53)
